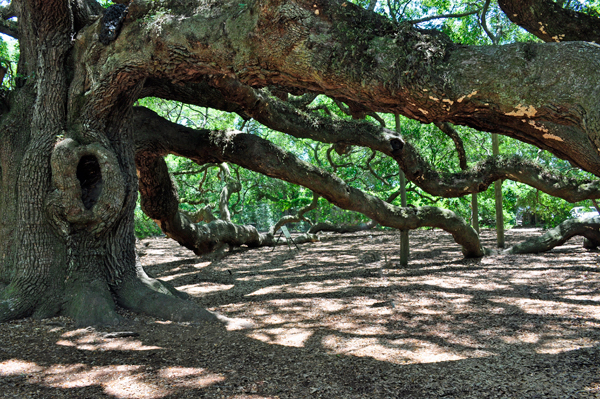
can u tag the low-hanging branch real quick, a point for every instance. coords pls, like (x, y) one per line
(298, 217)
(588, 228)
(236, 147)
(281, 116)
(262, 156)
(159, 201)
(7, 25)
(342, 228)
(443, 16)
(458, 143)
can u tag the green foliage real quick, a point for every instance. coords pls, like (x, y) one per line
(144, 226)
(9, 56)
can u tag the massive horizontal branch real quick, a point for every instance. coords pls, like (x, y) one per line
(338, 49)
(257, 154)
(551, 22)
(281, 116)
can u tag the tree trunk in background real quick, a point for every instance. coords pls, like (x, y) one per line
(498, 197)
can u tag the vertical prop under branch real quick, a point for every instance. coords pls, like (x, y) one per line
(404, 243)
(498, 195)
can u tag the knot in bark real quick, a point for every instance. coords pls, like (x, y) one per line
(89, 187)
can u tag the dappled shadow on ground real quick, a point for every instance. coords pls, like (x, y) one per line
(337, 319)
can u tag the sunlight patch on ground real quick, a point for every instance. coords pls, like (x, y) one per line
(203, 289)
(119, 381)
(398, 351)
(295, 337)
(178, 275)
(304, 288)
(557, 307)
(190, 377)
(559, 345)
(84, 339)
(15, 367)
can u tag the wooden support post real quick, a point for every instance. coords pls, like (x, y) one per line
(475, 212)
(498, 195)
(404, 245)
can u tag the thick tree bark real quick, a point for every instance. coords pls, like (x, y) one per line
(551, 22)
(32, 255)
(254, 153)
(589, 228)
(69, 187)
(418, 74)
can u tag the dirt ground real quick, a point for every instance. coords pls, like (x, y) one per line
(337, 319)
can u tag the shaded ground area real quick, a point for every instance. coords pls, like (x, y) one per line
(337, 319)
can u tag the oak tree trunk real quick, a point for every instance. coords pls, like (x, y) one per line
(68, 187)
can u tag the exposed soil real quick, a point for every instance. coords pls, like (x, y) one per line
(337, 319)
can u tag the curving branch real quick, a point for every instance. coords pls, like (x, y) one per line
(227, 191)
(305, 46)
(482, 19)
(443, 16)
(7, 25)
(342, 228)
(551, 22)
(458, 143)
(260, 155)
(298, 217)
(588, 228)
(280, 116)
(159, 201)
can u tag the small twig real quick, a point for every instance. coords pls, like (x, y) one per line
(484, 25)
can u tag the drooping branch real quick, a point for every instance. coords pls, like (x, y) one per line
(551, 22)
(589, 228)
(227, 191)
(443, 16)
(298, 217)
(342, 228)
(257, 154)
(483, 21)
(159, 201)
(282, 117)
(7, 25)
